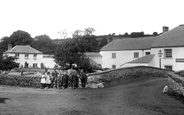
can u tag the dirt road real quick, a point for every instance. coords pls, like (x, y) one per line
(138, 97)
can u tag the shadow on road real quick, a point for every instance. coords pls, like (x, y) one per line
(2, 100)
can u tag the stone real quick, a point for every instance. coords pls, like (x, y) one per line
(166, 89)
(95, 85)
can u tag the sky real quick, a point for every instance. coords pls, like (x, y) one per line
(39, 17)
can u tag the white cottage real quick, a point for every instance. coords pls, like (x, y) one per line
(30, 57)
(145, 51)
(120, 51)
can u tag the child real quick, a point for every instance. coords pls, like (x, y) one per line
(43, 81)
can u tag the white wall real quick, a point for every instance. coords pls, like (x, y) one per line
(177, 52)
(121, 57)
(48, 62)
(30, 60)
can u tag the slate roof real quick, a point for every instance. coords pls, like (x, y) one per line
(172, 38)
(23, 49)
(129, 44)
(92, 62)
(144, 59)
(93, 54)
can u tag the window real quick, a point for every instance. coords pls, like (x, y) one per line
(35, 56)
(168, 53)
(147, 53)
(114, 66)
(168, 67)
(17, 55)
(113, 55)
(26, 65)
(26, 56)
(136, 54)
(35, 65)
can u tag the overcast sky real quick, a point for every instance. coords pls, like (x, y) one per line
(38, 17)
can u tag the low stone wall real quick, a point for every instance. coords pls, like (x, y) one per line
(175, 83)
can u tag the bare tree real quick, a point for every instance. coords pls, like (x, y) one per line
(88, 31)
(77, 33)
(63, 34)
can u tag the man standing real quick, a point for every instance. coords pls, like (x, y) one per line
(54, 79)
(83, 78)
(71, 73)
(75, 81)
(65, 79)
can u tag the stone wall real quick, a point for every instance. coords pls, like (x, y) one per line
(176, 83)
(113, 76)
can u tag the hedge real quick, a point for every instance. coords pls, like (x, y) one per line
(24, 81)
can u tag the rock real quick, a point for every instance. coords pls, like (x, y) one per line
(95, 85)
(166, 89)
(100, 85)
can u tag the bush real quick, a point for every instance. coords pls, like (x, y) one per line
(23, 81)
(176, 96)
(8, 63)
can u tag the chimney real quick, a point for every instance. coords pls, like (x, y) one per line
(9, 46)
(165, 29)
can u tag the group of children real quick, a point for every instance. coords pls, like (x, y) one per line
(63, 79)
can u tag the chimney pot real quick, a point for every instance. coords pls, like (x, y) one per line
(165, 29)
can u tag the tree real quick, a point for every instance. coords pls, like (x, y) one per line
(155, 33)
(88, 31)
(101, 43)
(137, 34)
(3, 45)
(17, 38)
(69, 52)
(86, 41)
(63, 34)
(8, 63)
(77, 34)
(20, 38)
(126, 34)
(110, 37)
(44, 44)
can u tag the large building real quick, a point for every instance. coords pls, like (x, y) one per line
(163, 51)
(30, 57)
